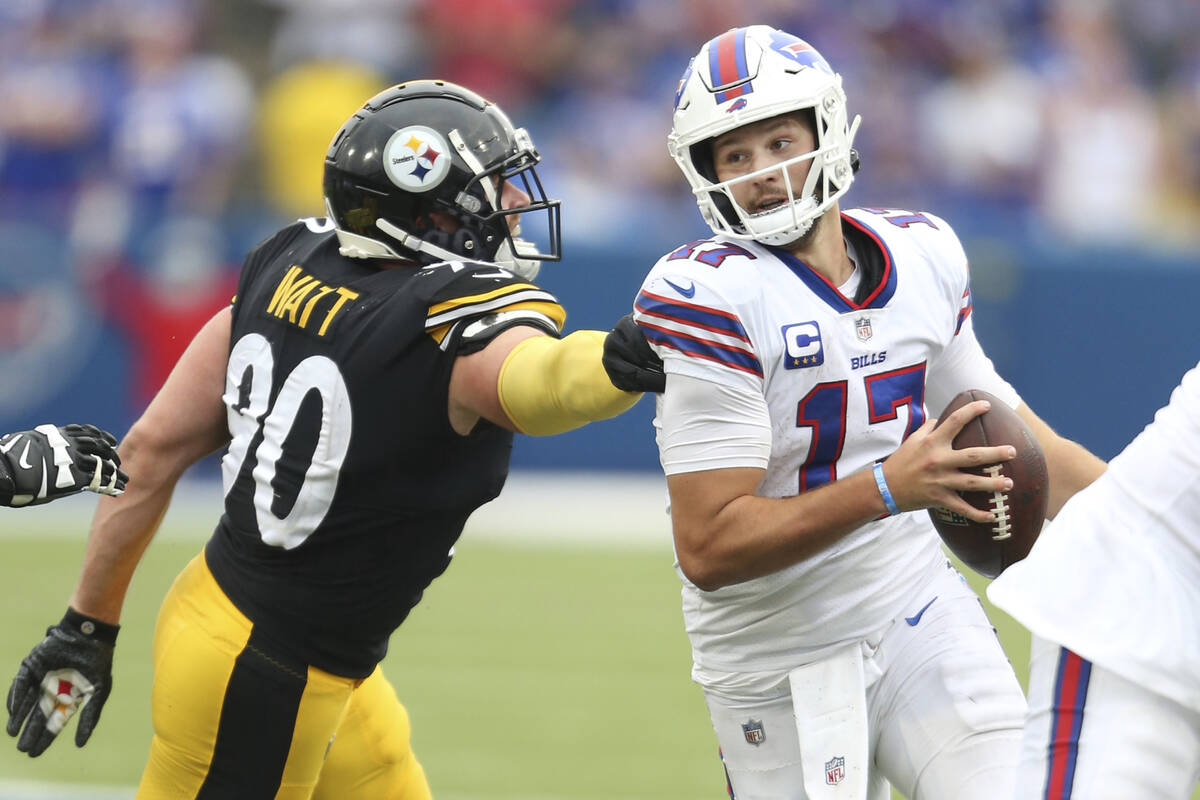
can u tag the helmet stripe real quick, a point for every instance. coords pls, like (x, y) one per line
(727, 65)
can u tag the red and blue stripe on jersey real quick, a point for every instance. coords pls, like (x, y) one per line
(1070, 696)
(727, 65)
(965, 310)
(695, 330)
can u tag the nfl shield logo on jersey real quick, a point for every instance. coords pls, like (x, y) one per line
(755, 734)
(862, 327)
(835, 770)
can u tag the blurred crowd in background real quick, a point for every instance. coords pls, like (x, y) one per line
(146, 144)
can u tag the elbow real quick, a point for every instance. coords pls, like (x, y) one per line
(149, 456)
(702, 570)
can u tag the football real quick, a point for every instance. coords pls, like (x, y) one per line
(988, 548)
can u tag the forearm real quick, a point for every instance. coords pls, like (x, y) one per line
(121, 529)
(548, 386)
(751, 536)
(724, 533)
(184, 423)
(1070, 465)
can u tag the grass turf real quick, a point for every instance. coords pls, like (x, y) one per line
(536, 671)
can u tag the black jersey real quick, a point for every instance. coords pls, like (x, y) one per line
(345, 485)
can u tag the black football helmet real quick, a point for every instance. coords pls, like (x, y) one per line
(432, 146)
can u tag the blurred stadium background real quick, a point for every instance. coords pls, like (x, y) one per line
(146, 144)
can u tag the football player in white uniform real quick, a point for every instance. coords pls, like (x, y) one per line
(803, 347)
(1111, 592)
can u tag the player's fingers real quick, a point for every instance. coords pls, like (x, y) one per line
(957, 420)
(87, 446)
(21, 696)
(106, 478)
(88, 429)
(954, 502)
(969, 482)
(980, 456)
(89, 716)
(35, 738)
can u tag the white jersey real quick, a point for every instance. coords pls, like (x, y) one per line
(845, 383)
(1116, 576)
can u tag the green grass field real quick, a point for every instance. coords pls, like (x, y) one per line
(541, 670)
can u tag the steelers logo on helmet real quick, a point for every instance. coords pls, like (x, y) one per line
(416, 158)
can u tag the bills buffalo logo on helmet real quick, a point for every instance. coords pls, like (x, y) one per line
(799, 51)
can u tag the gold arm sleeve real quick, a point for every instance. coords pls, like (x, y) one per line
(549, 385)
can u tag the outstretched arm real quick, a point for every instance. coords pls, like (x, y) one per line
(532, 383)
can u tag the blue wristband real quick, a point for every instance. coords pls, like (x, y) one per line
(884, 491)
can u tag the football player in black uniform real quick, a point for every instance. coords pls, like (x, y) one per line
(365, 384)
(52, 461)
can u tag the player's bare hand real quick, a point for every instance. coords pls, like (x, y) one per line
(926, 470)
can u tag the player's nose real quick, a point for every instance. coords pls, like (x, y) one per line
(513, 197)
(764, 169)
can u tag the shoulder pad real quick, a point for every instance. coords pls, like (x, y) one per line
(472, 291)
(470, 337)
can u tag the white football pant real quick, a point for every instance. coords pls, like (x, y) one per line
(1092, 735)
(944, 713)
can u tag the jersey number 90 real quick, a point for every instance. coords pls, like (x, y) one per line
(252, 359)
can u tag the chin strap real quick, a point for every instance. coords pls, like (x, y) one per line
(415, 243)
(509, 255)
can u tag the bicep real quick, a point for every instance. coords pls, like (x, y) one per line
(705, 425)
(475, 377)
(715, 444)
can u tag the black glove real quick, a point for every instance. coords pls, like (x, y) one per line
(49, 462)
(630, 363)
(71, 670)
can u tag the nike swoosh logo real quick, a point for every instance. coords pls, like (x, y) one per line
(16, 440)
(23, 462)
(915, 618)
(688, 292)
(497, 274)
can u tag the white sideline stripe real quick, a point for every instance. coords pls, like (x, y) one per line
(621, 510)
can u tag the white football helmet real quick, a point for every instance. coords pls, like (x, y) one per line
(749, 74)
